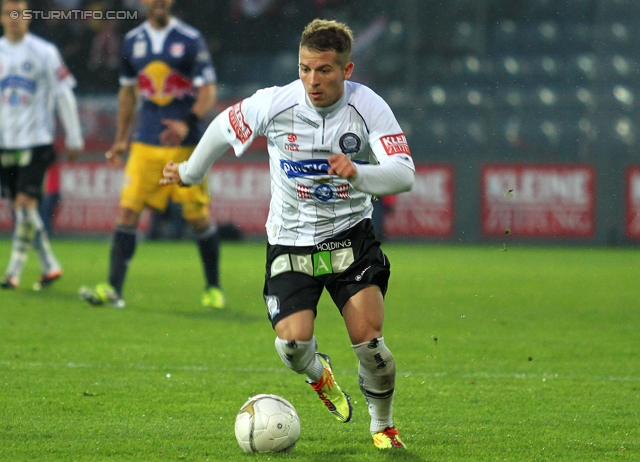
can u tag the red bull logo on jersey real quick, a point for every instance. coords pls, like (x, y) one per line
(161, 84)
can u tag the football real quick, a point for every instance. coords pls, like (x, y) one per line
(267, 423)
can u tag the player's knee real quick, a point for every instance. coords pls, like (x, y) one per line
(377, 369)
(196, 215)
(128, 217)
(25, 201)
(201, 225)
(296, 354)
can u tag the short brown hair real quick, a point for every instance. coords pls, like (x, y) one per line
(15, 1)
(325, 35)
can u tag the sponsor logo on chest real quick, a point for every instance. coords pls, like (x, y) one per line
(291, 144)
(395, 144)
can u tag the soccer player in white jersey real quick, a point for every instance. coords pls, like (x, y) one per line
(34, 83)
(333, 145)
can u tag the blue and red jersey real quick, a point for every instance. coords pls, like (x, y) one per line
(168, 66)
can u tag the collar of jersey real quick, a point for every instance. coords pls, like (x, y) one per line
(327, 112)
(158, 36)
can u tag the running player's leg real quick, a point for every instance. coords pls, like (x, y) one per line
(291, 293)
(49, 265)
(195, 201)
(29, 231)
(208, 241)
(25, 179)
(195, 209)
(21, 243)
(140, 184)
(123, 247)
(359, 293)
(364, 316)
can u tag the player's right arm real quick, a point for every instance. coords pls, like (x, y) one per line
(127, 101)
(236, 127)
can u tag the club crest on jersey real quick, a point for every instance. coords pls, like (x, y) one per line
(140, 48)
(177, 50)
(273, 305)
(350, 143)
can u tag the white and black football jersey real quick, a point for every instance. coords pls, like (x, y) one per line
(307, 204)
(32, 73)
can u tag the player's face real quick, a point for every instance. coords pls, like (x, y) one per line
(158, 11)
(323, 77)
(13, 22)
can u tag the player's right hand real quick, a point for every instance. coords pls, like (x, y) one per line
(171, 175)
(115, 154)
(341, 165)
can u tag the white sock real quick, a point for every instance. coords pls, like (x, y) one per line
(377, 378)
(48, 261)
(300, 356)
(23, 233)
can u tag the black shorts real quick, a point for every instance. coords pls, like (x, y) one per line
(345, 264)
(23, 170)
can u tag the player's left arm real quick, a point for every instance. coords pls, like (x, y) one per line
(63, 83)
(394, 171)
(394, 175)
(68, 113)
(178, 130)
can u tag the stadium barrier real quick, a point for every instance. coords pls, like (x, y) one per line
(523, 200)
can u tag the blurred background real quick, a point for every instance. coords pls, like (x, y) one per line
(523, 116)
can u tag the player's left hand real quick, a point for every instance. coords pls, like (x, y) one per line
(341, 165)
(171, 175)
(175, 133)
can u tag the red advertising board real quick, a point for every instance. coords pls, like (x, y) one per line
(90, 192)
(241, 193)
(633, 202)
(538, 200)
(426, 210)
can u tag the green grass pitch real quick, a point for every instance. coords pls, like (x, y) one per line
(523, 355)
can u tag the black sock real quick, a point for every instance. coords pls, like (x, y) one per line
(122, 249)
(209, 246)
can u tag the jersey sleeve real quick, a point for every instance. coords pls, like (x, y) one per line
(246, 120)
(386, 138)
(59, 75)
(128, 75)
(203, 71)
